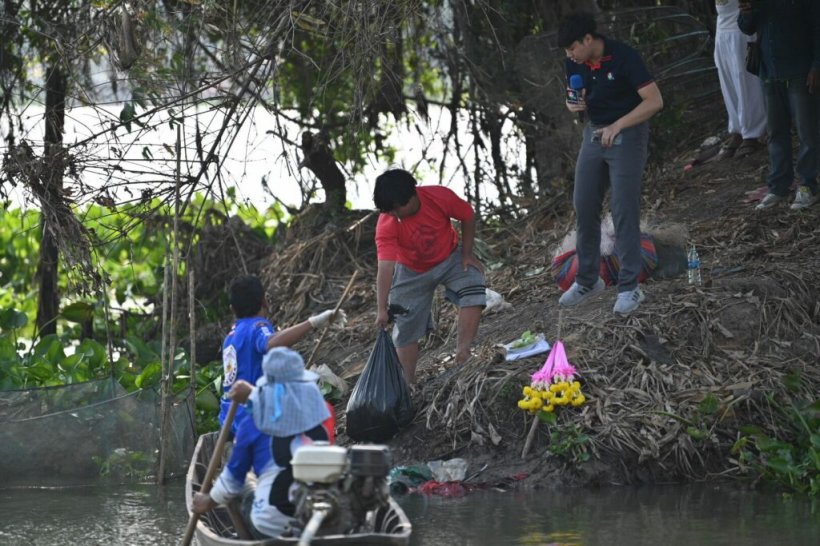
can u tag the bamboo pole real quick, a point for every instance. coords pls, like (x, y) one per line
(335, 310)
(192, 334)
(213, 466)
(536, 420)
(168, 375)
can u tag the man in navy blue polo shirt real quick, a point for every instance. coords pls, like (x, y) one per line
(618, 96)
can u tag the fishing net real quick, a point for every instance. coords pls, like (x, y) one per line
(86, 432)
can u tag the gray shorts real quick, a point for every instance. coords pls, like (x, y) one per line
(415, 291)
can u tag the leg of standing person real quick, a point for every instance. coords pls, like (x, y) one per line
(806, 108)
(779, 125)
(751, 110)
(626, 164)
(409, 356)
(725, 63)
(591, 184)
(467, 289)
(468, 321)
(413, 291)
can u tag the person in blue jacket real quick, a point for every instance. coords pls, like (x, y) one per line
(788, 33)
(253, 335)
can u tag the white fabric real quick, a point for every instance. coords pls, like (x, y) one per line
(267, 519)
(742, 92)
(727, 12)
(327, 317)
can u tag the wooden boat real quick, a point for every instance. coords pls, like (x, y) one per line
(217, 529)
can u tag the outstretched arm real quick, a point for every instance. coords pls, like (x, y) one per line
(384, 278)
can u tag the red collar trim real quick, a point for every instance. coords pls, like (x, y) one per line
(597, 66)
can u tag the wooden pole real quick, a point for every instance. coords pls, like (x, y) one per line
(536, 420)
(213, 466)
(192, 334)
(338, 306)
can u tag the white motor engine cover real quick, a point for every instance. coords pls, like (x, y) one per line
(319, 463)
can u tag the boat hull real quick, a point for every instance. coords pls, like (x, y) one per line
(216, 529)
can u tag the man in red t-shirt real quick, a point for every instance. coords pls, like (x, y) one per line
(417, 249)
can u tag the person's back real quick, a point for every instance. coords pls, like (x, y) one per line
(246, 343)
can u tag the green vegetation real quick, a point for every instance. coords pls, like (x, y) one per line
(790, 456)
(131, 249)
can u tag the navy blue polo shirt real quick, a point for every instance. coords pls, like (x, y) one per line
(612, 84)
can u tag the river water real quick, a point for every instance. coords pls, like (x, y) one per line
(670, 516)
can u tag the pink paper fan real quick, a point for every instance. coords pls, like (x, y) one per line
(556, 365)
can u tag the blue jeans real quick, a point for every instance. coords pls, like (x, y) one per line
(786, 99)
(619, 169)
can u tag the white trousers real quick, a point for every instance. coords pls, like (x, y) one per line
(742, 92)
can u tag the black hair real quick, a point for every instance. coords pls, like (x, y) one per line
(394, 188)
(574, 27)
(247, 295)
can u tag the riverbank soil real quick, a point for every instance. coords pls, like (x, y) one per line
(668, 388)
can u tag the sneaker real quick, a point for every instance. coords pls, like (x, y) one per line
(804, 198)
(578, 294)
(628, 301)
(770, 200)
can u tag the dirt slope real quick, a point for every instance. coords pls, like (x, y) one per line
(667, 388)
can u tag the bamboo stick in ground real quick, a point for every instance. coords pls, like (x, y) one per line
(336, 310)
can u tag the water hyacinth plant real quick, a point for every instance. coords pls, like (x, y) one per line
(553, 385)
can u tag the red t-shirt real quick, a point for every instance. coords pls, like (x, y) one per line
(425, 239)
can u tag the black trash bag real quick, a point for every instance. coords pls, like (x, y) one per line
(380, 403)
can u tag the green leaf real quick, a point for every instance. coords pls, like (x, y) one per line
(207, 400)
(696, 433)
(149, 376)
(12, 319)
(79, 311)
(752, 430)
(709, 404)
(780, 465)
(548, 418)
(793, 382)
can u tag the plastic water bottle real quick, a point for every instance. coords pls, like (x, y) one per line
(693, 266)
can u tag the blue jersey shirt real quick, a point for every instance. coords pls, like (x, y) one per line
(242, 353)
(612, 84)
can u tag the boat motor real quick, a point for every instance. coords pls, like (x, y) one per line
(338, 489)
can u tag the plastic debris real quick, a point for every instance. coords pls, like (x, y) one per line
(451, 470)
(515, 351)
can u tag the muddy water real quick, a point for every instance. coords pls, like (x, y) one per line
(669, 516)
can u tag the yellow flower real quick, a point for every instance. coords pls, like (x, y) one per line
(523, 404)
(528, 391)
(548, 408)
(578, 400)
